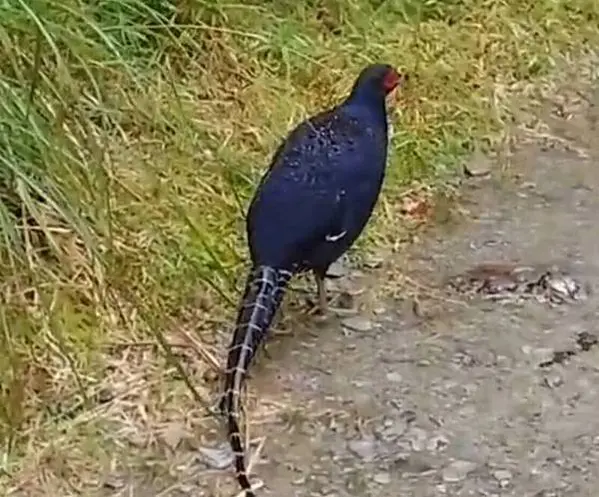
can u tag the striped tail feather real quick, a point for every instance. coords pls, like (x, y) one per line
(264, 291)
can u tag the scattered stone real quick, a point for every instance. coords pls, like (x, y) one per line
(553, 380)
(357, 323)
(458, 471)
(529, 185)
(299, 481)
(464, 359)
(345, 301)
(547, 493)
(418, 439)
(502, 474)
(393, 430)
(558, 357)
(219, 457)
(380, 310)
(105, 395)
(586, 341)
(338, 269)
(473, 172)
(382, 478)
(413, 464)
(543, 354)
(394, 377)
(478, 166)
(113, 483)
(373, 262)
(437, 443)
(364, 448)
(408, 416)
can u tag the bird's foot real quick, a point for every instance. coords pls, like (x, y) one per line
(334, 296)
(331, 312)
(266, 352)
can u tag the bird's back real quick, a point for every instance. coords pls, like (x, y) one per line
(323, 182)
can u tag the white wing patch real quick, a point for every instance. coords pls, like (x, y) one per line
(334, 238)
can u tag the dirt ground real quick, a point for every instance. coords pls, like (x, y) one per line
(456, 402)
(425, 393)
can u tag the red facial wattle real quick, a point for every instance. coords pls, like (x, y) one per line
(391, 81)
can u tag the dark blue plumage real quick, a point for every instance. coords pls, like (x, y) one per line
(309, 208)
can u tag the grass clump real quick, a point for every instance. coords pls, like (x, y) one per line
(133, 134)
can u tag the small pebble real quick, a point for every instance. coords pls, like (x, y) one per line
(393, 431)
(299, 481)
(477, 167)
(586, 341)
(408, 416)
(458, 471)
(553, 380)
(418, 439)
(382, 478)
(502, 474)
(338, 269)
(413, 463)
(394, 377)
(363, 448)
(357, 323)
(219, 457)
(373, 263)
(543, 354)
(547, 493)
(113, 483)
(464, 359)
(437, 443)
(345, 301)
(105, 395)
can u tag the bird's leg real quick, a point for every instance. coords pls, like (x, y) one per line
(321, 286)
(324, 307)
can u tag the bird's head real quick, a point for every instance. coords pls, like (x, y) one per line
(376, 82)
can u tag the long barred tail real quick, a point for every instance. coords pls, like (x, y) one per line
(264, 291)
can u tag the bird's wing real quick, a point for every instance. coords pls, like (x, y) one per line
(300, 200)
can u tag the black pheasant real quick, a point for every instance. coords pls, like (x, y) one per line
(309, 208)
